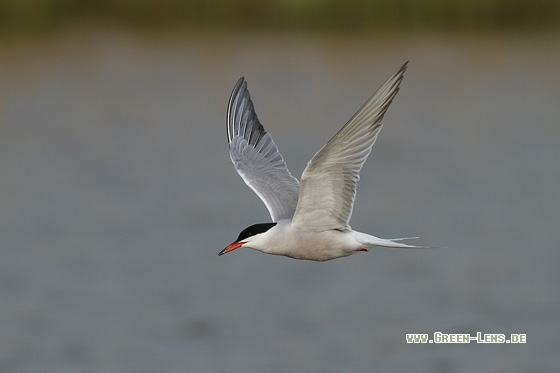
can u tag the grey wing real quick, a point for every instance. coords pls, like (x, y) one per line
(257, 159)
(328, 183)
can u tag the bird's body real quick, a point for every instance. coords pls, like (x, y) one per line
(284, 239)
(311, 219)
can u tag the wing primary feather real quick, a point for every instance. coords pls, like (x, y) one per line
(232, 106)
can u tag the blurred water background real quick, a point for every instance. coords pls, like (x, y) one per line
(117, 192)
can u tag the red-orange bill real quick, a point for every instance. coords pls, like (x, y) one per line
(232, 246)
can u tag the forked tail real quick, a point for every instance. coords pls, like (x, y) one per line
(392, 243)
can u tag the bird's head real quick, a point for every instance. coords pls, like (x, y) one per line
(247, 236)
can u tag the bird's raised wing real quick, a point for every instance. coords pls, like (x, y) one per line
(328, 183)
(256, 157)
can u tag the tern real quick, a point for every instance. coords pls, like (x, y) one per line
(309, 220)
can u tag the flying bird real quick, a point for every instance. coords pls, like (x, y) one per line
(310, 220)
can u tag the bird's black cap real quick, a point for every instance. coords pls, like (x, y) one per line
(254, 230)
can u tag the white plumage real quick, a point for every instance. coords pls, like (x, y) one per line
(311, 220)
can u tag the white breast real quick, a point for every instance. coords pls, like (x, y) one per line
(285, 240)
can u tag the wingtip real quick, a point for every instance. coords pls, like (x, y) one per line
(238, 84)
(402, 69)
(239, 89)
